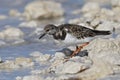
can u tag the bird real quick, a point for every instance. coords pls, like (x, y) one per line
(72, 34)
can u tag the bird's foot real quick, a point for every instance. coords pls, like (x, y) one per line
(78, 49)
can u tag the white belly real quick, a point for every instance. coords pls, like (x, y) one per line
(70, 40)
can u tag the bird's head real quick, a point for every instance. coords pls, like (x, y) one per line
(48, 29)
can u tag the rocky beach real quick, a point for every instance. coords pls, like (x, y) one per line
(23, 56)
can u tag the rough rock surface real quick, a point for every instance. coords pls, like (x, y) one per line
(20, 62)
(30, 24)
(24, 62)
(60, 65)
(39, 57)
(11, 33)
(30, 77)
(90, 7)
(104, 49)
(43, 9)
(14, 12)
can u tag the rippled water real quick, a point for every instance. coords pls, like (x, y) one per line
(24, 49)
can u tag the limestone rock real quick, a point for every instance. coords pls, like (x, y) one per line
(111, 77)
(98, 70)
(40, 57)
(8, 65)
(20, 62)
(24, 62)
(59, 55)
(18, 78)
(11, 33)
(90, 7)
(107, 51)
(14, 12)
(30, 24)
(115, 3)
(32, 77)
(43, 9)
(76, 65)
(104, 49)
(108, 25)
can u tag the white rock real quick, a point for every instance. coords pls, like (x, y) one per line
(33, 77)
(18, 78)
(116, 10)
(75, 21)
(74, 67)
(107, 12)
(76, 64)
(105, 55)
(43, 9)
(115, 3)
(99, 69)
(36, 71)
(85, 60)
(35, 54)
(90, 14)
(59, 55)
(62, 77)
(111, 77)
(2, 17)
(57, 59)
(40, 57)
(76, 11)
(11, 33)
(90, 7)
(108, 25)
(104, 49)
(8, 65)
(18, 41)
(14, 12)
(24, 62)
(30, 24)
(50, 78)
(20, 62)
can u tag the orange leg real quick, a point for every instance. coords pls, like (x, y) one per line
(79, 49)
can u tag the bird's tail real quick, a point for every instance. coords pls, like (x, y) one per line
(102, 32)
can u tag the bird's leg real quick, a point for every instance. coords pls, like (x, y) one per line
(78, 49)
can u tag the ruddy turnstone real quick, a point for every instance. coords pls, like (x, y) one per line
(72, 34)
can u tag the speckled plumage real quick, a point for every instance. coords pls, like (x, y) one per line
(79, 32)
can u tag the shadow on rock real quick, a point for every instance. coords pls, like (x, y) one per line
(69, 52)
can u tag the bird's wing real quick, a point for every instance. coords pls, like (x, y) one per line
(80, 31)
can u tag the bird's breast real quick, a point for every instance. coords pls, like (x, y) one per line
(70, 39)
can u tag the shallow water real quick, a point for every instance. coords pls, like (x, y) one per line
(24, 49)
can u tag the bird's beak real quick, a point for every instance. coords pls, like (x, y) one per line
(42, 35)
